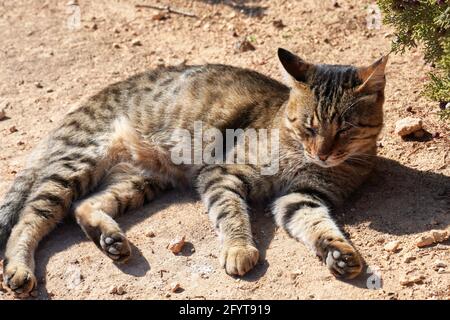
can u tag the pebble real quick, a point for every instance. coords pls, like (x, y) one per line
(434, 236)
(392, 246)
(38, 85)
(119, 290)
(278, 24)
(150, 234)
(176, 245)
(116, 45)
(408, 125)
(2, 115)
(13, 129)
(409, 281)
(243, 46)
(136, 43)
(175, 287)
(440, 264)
(408, 259)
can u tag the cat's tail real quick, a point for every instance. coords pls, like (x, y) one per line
(13, 202)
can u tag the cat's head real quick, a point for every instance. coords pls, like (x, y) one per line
(334, 111)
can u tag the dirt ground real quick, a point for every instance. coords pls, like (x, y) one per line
(47, 69)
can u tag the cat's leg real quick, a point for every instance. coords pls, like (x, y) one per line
(59, 183)
(224, 193)
(307, 218)
(124, 188)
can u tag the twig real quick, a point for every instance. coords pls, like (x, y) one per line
(167, 8)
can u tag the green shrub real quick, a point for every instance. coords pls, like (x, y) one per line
(425, 22)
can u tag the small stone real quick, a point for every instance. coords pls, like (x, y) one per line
(38, 85)
(13, 129)
(2, 114)
(439, 235)
(176, 245)
(408, 259)
(116, 46)
(441, 270)
(94, 26)
(150, 234)
(175, 287)
(136, 43)
(392, 246)
(160, 16)
(419, 133)
(243, 46)
(119, 290)
(440, 264)
(425, 240)
(409, 281)
(278, 24)
(407, 126)
(167, 295)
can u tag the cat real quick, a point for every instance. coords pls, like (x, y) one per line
(113, 154)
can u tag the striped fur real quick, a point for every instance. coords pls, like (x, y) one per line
(113, 154)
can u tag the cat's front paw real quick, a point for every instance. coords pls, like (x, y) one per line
(342, 259)
(239, 259)
(19, 278)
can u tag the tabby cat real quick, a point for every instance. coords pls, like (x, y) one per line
(113, 154)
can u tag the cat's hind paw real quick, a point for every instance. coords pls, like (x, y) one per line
(239, 259)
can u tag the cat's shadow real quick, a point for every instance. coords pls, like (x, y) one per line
(395, 200)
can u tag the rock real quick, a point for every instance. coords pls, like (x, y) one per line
(243, 46)
(38, 85)
(150, 234)
(119, 290)
(439, 235)
(175, 287)
(408, 259)
(13, 129)
(440, 264)
(116, 46)
(409, 281)
(392, 246)
(424, 241)
(136, 43)
(278, 24)
(419, 133)
(407, 126)
(2, 114)
(176, 245)
(160, 16)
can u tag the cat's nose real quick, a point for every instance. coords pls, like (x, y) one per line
(323, 157)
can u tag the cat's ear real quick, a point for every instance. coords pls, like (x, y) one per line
(373, 77)
(295, 66)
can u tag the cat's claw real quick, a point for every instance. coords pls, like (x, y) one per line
(116, 246)
(239, 259)
(19, 278)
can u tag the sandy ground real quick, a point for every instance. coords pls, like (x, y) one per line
(46, 69)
